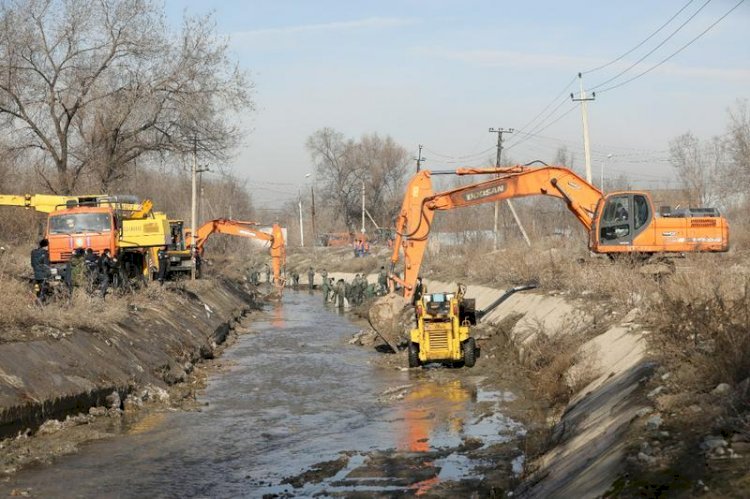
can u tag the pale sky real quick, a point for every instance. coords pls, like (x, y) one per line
(440, 73)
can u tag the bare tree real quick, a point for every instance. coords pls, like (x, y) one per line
(343, 165)
(738, 147)
(381, 164)
(332, 155)
(88, 86)
(699, 167)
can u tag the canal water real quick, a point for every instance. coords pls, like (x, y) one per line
(298, 411)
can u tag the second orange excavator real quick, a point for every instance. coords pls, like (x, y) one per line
(617, 223)
(179, 252)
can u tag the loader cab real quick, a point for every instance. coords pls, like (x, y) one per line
(623, 216)
(437, 304)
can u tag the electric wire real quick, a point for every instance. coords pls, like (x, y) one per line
(562, 92)
(642, 42)
(658, 46)
(676, 51)
(573, 108)
(518, 138)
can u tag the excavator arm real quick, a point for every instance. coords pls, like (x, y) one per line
(244, 229)
(421, 202)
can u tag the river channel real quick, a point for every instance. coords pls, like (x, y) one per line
(298, 411)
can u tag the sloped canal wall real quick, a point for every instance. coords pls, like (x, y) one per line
(156, 345)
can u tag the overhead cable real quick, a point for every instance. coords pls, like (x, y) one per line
(675, 52)
(673, 33)
(642, 42)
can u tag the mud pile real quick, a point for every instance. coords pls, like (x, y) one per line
(155, 345)
(391, 317)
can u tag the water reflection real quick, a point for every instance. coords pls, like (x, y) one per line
(434, 411)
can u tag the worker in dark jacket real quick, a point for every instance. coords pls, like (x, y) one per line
(107, 266)
(382, 281)
(163, 258)
(419, 290)
(41, 268)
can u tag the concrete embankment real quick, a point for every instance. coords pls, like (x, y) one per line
(587, 449)
(155, 346)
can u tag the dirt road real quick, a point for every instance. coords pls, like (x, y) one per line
(298, 412)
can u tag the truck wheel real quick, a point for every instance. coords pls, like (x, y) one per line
(413, 355)
(470, 352)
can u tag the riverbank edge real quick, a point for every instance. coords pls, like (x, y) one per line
(589, 440)
(157, 345)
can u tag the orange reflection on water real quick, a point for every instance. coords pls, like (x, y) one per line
(278, 315)
(430, 406)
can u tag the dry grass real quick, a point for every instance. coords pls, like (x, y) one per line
(549, 358)
(701, 320)
(81, 311)
(559, 265)
(23, 319)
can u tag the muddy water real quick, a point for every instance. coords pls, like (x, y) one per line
(301, 412)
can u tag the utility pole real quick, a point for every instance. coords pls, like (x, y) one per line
(500, 132)
(419, 158)
(301, 229)
(193, 208)
(312, 197)
(585, 118)
(363, 206)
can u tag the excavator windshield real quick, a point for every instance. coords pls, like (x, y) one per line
(77, 223)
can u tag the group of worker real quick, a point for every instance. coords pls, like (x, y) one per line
(255, 273)
(341, 292)
(85, 270)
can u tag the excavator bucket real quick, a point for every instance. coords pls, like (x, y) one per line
(391, 316)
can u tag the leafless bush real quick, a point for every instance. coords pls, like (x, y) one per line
(81, 311)
(701, 322)
(548, 359)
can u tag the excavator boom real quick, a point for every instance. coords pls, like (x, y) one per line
(244, 229)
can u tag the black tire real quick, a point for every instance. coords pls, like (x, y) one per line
(414, 355)
(470, 352)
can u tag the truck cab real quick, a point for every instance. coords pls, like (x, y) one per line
(84, 227)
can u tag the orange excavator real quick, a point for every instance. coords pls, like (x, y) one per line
(618, 223)
(244, 229)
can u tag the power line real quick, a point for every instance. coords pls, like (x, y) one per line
(675, 52)
(642, 42)
(545, 127)
(541, 123)
(465, 156)
(679, 28)
(564, 91)
(637, 151)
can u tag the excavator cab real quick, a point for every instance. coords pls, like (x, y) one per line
(628, 222)
(624, 216)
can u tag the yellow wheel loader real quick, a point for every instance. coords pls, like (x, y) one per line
(443, 330)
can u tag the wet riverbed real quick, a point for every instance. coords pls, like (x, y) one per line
(299, 411)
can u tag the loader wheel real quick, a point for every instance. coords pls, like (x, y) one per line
(470, 352)
(414, 355)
